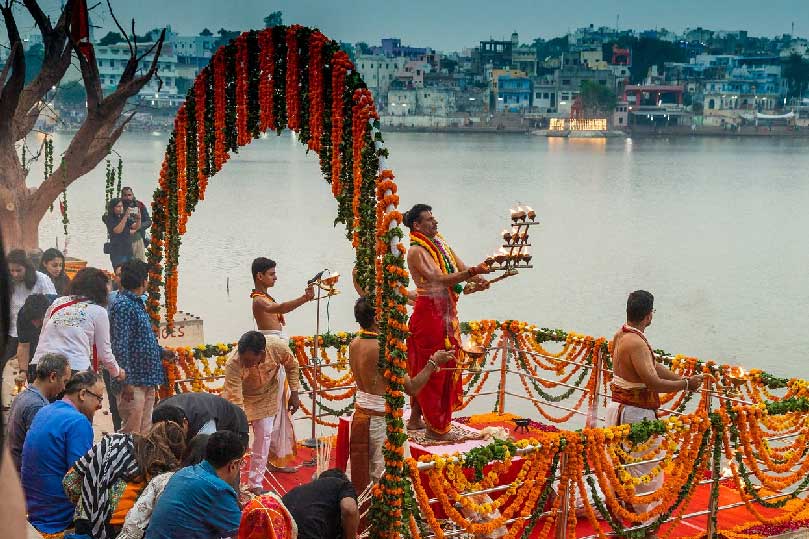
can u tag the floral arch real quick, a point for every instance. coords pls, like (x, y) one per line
(296, 78)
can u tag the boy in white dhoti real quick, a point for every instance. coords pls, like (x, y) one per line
(269, 316)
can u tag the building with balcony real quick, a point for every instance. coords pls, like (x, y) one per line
(112, 60)
(513, 93)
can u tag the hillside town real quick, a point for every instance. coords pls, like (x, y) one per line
(651, 81)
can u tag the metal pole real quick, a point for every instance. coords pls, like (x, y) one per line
(592, 412)
(501, 405)
(713, 501)
(561, 514)
(312, 442)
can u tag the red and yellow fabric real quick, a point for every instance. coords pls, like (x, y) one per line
(265, 517)
(429, 330)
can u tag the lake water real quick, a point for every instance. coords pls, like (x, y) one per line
(715, 228)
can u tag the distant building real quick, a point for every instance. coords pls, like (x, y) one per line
(593, 59)
(421, 102)
(378, 72)
(746, 88)
(523, 57)
(392, 47)
(589, 37)
(413, 72)
(494, 54)
(112, 60)
(620, 115)
(193, 54)
(513, 93)
(569, 78)
(545, 96)
(796, 46)
(655, 105)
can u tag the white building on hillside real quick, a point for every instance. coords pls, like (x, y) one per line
(378, 71)
(112, 60)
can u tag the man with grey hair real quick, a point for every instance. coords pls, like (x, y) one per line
(52, 373)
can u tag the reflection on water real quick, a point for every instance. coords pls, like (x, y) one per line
(715, 228)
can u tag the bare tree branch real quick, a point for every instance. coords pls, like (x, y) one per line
(121, 28)
(37, 155)
(42, 20)
(91, 79)
(7, 67)
(10, 96)
(128, 87)
(55, 63)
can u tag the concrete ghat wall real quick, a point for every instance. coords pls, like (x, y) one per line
(428, 121)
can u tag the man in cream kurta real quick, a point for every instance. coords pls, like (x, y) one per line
(251, 381)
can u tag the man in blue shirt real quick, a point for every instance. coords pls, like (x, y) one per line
(52, 373)
(60, 435)
(135, 347)
(200, 502)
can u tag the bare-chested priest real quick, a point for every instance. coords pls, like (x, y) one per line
(269, 316)
(438, 273)
(368, 425)
(639, 380)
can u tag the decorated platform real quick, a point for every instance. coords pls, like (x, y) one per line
(733, 455)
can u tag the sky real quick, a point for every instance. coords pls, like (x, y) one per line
(451, 25)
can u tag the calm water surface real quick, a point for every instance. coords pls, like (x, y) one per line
(714, 228)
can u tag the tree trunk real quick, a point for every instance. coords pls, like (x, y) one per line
(18, 223)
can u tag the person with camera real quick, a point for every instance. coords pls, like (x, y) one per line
(138, 240)
(122, 225)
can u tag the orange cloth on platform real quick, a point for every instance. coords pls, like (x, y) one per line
(435, 318)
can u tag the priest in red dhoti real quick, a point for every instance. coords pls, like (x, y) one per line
(438, 273)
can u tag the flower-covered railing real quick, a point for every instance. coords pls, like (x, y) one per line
(746, 429)
(202, 369)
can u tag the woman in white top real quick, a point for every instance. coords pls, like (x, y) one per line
(25, 280)
(78, 326)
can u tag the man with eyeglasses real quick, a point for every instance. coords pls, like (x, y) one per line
(60, 434)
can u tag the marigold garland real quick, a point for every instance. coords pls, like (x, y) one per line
(243, 134)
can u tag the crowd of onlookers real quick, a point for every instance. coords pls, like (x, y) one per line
(172, 467)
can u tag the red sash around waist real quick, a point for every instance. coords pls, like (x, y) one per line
(639, 397)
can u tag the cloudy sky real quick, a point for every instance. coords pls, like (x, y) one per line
(455, 24)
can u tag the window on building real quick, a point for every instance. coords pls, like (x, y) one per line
(565, 82)
(545, 95)
(362, 66)
(620, 120)
(602, 82)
